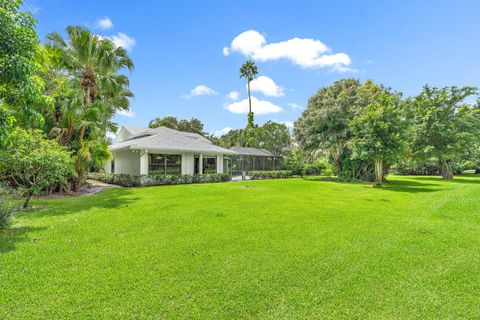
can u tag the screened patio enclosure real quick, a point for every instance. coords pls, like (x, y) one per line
(251, 159)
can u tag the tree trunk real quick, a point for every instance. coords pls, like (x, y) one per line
(379, 171)
(446, 170)
(249, 98)
(27, 202)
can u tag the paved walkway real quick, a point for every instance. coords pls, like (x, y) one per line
(92, 187)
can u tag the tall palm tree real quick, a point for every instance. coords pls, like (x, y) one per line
(94, 90)
(93, 61)
(249, 71)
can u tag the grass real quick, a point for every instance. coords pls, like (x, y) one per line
(277, 249)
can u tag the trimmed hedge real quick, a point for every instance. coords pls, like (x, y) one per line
(126, 180)
(279, 174)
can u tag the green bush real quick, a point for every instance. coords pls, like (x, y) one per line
(32, 162)
(279, 174)
(126, 180)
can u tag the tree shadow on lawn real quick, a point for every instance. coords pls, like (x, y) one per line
(409, 186)
(463, 179)
(106, 199)
(10, 237)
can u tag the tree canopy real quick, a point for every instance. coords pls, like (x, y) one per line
(187, 125)
(444, 127)
(272, 136)
(378, 134)
(21, 87)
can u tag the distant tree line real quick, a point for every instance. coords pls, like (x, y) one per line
(367, 130)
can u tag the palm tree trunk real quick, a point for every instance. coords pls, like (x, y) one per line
(249, 98)
(379, 170)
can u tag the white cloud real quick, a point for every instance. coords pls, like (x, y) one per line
(266, 86)
(126, 113)
(123, 40)
(200, 90)
(295, 106)
(233, 95)
(226, 51)
(305, 52)
(104, 23)
(223, 131)
(258, 107)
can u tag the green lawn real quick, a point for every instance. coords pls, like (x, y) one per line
(278, 249)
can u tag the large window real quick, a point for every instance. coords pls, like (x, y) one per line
(174, 164)
(209, 165)
(164, 164)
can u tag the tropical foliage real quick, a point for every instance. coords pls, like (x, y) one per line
(86, 81)
(21, 87)
(32, 163)
(325, 126)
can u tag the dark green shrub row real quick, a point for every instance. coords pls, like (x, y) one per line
(300, 166)
(279, 174)
(126, 180)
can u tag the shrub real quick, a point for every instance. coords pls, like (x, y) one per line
(319, 167)
(126, 180)
(31, 162)
(279, 174)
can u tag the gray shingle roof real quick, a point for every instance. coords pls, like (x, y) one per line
(166, 139)
(253, 152)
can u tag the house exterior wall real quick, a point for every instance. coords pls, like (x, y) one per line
(220, 163)
(136, 162)
(187, 163)
(127, 162)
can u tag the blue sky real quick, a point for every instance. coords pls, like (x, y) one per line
(299, 47)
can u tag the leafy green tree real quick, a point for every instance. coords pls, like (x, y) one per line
(249, 71)
(168, 121)
(272, 136)
(187, 125)
(32, 162)
(323, 128)
(444, 127)
(6, 123)
(21, 88)
(378, 133)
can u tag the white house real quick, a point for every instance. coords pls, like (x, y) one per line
(163, 150)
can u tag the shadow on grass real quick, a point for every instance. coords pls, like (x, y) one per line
(464, 179)
(409, 186)
(107, 199)
(10, 237)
